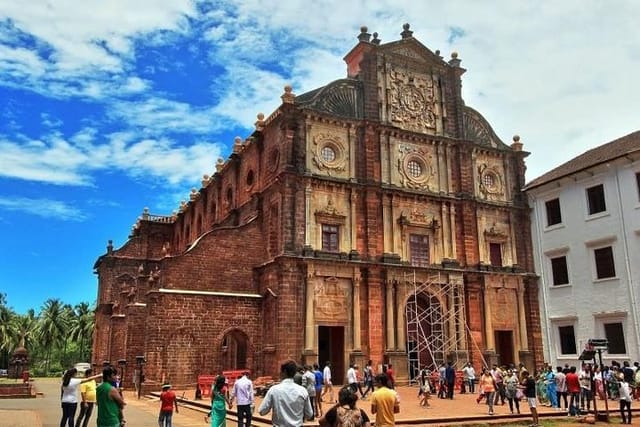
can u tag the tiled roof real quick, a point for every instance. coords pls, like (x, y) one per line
(604, 153)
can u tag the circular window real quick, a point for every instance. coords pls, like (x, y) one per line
(414, 168)
(489, 180)
(250, 178)
(328, 154)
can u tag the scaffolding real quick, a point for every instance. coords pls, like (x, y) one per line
(436, 323)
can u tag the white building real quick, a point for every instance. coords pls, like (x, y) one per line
(586, 241)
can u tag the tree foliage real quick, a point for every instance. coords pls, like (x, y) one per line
(58, 336)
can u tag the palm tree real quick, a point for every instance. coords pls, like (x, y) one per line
(6, 331)
(25, 328)
(82, 327)
(52, 327)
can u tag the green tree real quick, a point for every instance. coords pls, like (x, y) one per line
(82, 329)
(7, 317)
(52, 327)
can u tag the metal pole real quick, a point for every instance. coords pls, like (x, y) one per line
(604, 386)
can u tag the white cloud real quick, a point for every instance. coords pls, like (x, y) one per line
(163, 115)
(45, 208)
(56, 160)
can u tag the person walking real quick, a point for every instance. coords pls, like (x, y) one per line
(469, 378)
(384, 402)
(368, 379)
(550, 380)
(319, 382)
(424, 394)
(109, 401)
(511, 386)
(88, 399)
(326, 381)
(69, 395)
(530, 393)
(219, 402)
(309, 382)
(289, 402)
(242, 393)
(345, 413)
(625, 399)
(352, 379)
(167, 401)
(487, 388)
(450, 376)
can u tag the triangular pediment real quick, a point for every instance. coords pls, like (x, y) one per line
(412, 49)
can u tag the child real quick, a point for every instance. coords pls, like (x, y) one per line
(167, 402)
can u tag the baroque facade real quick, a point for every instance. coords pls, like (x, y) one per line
(377, 217)
(586, 237)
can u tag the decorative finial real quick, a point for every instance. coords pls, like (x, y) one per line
(454, 61)
(237, 144)
(516, 145)
(260, 122)
(288, 97)
(219, 164)
(194, 194)
(364, 35)
(109, 246)
(205, 180)
(375, 40)
(145, 213)
(406, 33)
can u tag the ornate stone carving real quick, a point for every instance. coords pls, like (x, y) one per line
(412, 101)
(329, 153)
(415, 166)
(331, 300)
(491, 181)
(496, 233)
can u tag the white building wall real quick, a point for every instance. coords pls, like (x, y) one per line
(587, 303)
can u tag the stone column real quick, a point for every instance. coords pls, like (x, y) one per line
(391, 341)
(452, 231)
(522, 320)
(354, 224)
(488, 322)
(356, 314)
(401, 327)
(387, 225)
(309, 327)
(307, 208)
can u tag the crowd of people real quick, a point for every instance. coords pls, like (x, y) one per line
(300, 394)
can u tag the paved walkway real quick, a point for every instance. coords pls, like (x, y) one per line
(462, 410)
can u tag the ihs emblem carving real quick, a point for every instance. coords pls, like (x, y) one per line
(412, 101)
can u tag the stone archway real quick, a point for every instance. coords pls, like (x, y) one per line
(235, 350)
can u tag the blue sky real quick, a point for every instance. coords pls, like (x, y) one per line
(110, 107)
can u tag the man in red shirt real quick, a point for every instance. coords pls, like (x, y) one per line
(167, 402)
(573, 388)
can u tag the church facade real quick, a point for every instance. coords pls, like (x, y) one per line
(377, 217)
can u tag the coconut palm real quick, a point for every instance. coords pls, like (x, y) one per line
(6, 331)
(52, 327)
(25, 328)
(82, 328)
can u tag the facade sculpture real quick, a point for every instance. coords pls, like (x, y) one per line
(377, 217)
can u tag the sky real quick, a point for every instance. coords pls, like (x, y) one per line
(110, 107)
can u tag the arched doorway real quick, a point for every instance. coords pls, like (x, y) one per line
(234, 350)
(425, 333)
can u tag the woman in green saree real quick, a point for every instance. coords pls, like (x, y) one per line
(219, 400)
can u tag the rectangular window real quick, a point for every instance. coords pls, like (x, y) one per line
(559, 271)
(615, 335)
(567, 340)
(495, 254)
(605, 267)
(330, 237)
(419, 250)
(553, 212)
(595, 198)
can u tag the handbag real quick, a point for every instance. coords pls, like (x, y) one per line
(519, 395)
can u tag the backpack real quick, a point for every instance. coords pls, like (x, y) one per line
(348, 417)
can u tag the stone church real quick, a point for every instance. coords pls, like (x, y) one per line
(377, 217)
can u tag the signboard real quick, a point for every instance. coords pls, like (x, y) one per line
(597, 344)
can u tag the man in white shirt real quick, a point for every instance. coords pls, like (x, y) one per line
(328, 385)
(289, 401)
(352, 379)
(469, 377)
(243, 393)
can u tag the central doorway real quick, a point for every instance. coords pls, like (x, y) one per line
(331, 348)
(504, 347)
